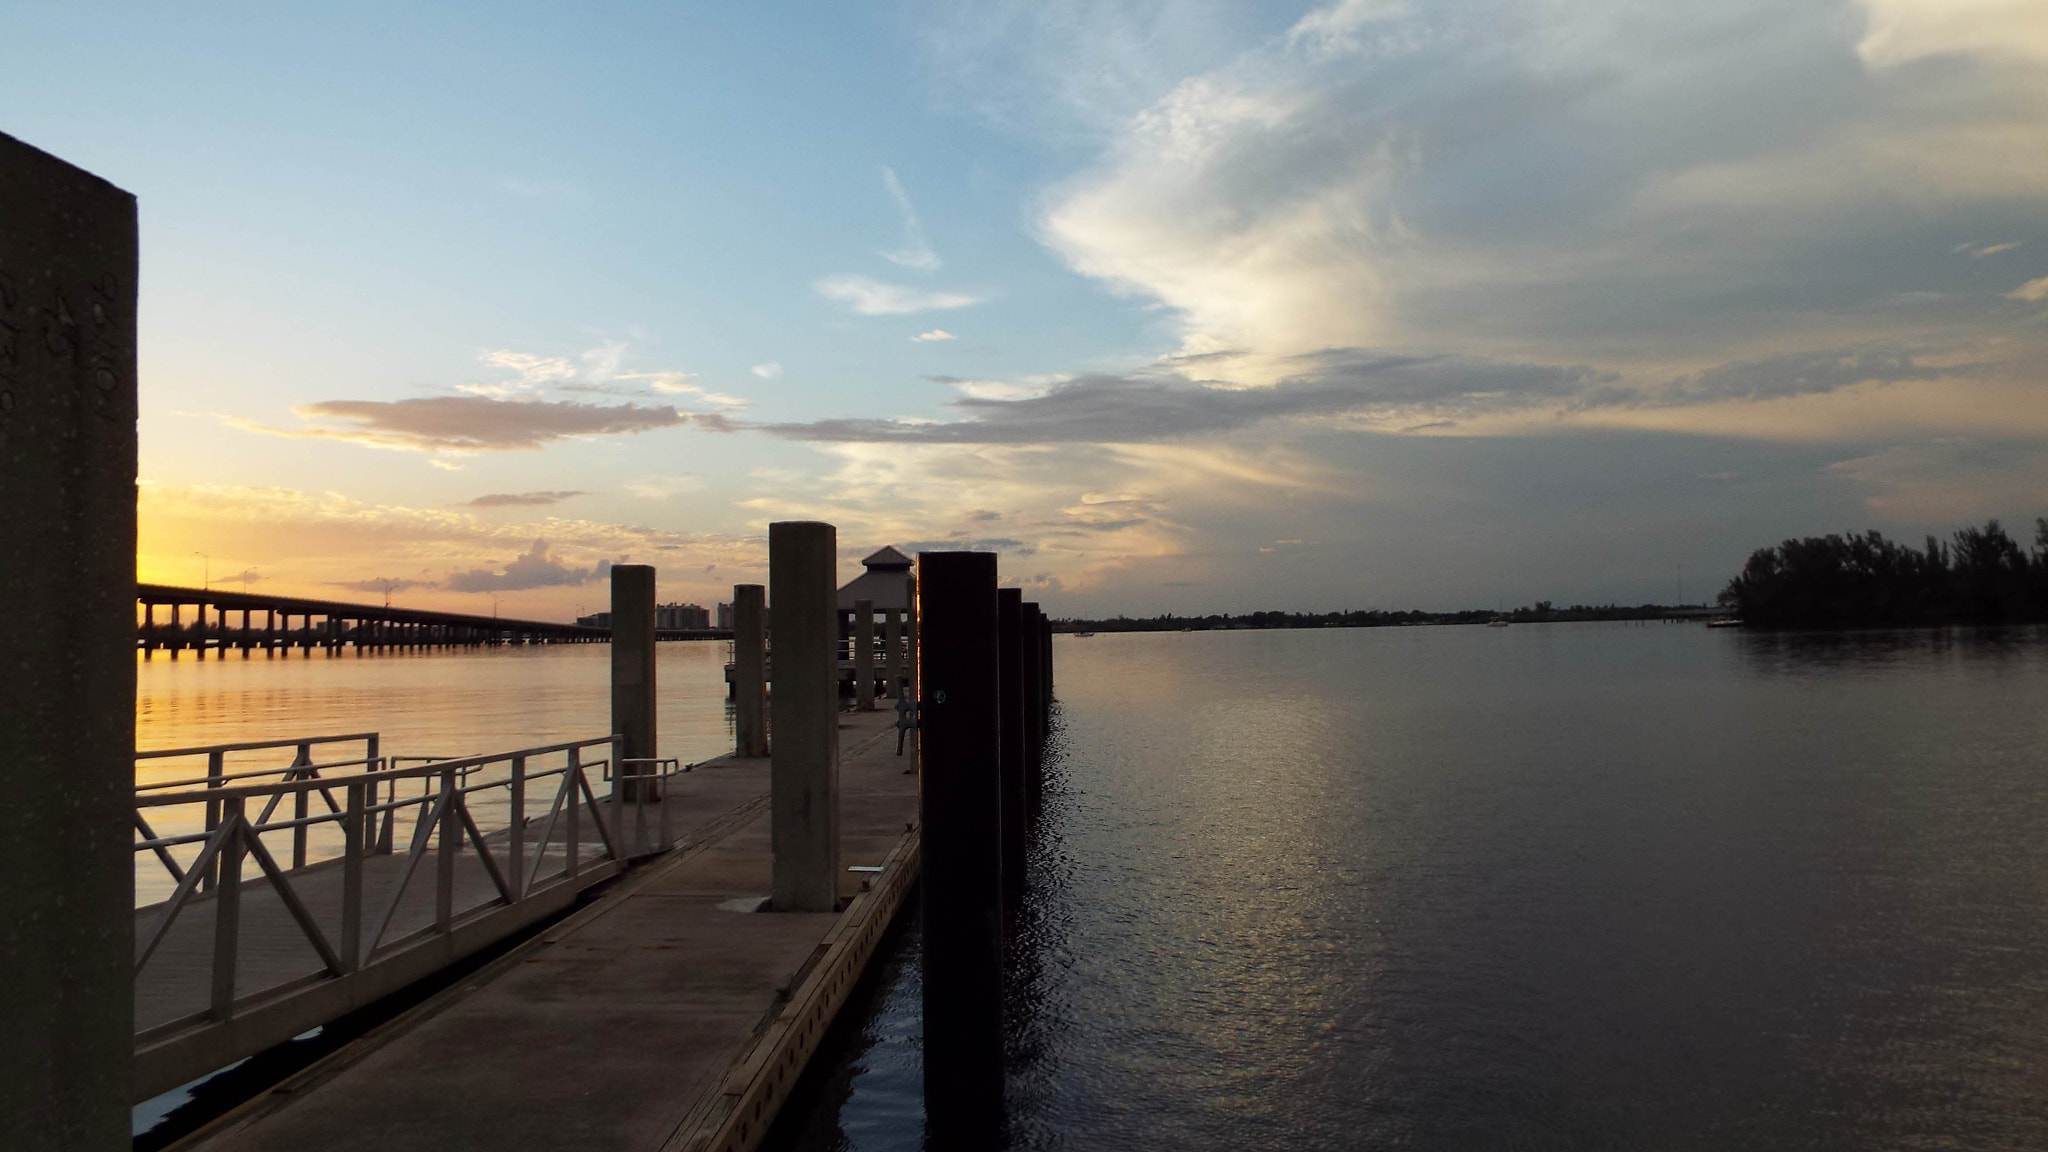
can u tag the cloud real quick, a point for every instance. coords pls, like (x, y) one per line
(468, 423)
(1004, 544)
(1900, 31)
(1979, 251)
(769, 371)
(2034, 290)
(521, 499)
(1803, 374)
(1106, 408)
(383, 584)
(1574, 181)
(934, 334)
(534, 569)
(916, 254)
(870, 297)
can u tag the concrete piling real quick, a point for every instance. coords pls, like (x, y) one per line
(864, 655)
(67, 465)
(749, 671)
(961, 812)
(804, 709)
(633, 688)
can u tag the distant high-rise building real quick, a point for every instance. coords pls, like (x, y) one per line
(687, 617)
(725, 616)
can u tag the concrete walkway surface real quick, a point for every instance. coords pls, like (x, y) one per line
(665, 1016)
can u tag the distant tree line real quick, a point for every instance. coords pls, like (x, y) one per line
(1978, 575)
(1540, 611)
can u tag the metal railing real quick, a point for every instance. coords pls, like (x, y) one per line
(499, 835)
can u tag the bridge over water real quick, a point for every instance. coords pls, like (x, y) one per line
(177, 619)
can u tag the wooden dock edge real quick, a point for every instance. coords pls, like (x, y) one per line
(737, 1110)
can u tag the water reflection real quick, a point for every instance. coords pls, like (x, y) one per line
(1558, 887)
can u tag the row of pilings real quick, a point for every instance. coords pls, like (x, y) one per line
(986, 675)
(978, 664)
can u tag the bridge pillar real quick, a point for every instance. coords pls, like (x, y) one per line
(67, 415)
(633, 694)
(749, 671)
(804, 765)
(960, 824)
(864, 655)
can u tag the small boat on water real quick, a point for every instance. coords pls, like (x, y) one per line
(1497, 622)
(1084, 633)
(1724, 622)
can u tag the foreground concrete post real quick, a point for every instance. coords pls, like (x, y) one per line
(960, 807)
(749, 671)
(892, 658)
(804, 769)
(1012, 637)
(633, 694)
(67, 653)
(864, 655)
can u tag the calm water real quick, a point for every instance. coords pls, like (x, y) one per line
(1569, 886)
(450, 702)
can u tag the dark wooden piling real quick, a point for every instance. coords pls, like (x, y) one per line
(961, 810)
(1031, 622)
(1013, 636)
(749, 671)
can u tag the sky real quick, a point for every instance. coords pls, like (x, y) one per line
(1179, 306)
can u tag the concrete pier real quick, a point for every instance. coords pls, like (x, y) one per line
(665, 1016)
(802, 558)
(749, 671)
(961, 896)
(67, 466)
(864, 655)
(633, 688)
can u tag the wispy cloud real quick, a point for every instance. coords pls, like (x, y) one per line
(521, 499)
(2034, 290)
(1980, 251)
(934, 335)
(916, 253)
(1164, 405)
(467, 423)
(870, 297)
(772, 370)
(384, 584)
